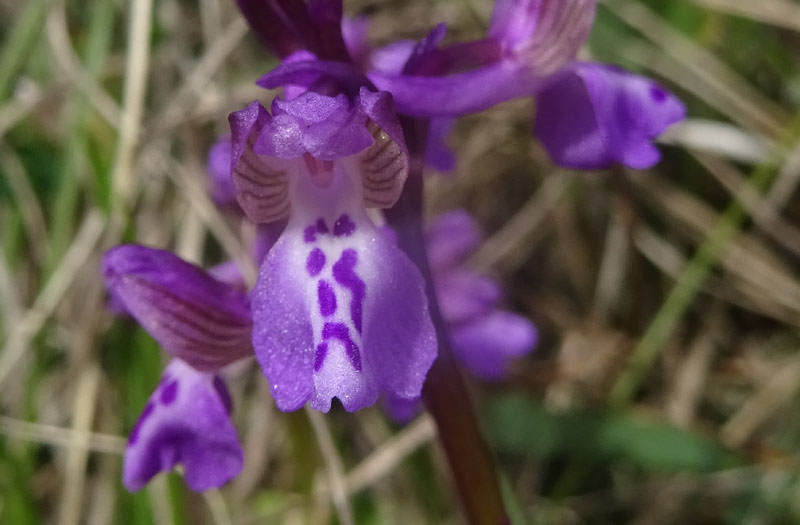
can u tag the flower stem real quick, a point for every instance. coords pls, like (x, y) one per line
(445, 393)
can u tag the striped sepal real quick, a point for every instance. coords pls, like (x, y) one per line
(384, 168)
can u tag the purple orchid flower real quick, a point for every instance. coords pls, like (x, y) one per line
(205, 325)
(338, 310)
(589, 115)
(485, 338)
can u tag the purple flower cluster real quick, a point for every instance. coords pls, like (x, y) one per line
(338, 309)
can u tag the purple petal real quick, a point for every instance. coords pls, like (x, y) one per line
(326, 16)
(283, 336)
(464, 295)
(354, 33)
(339, 310)
(289, 25)
(426, 46)
(266, 237)
(461, 56)
(306, 73)
(546, 34)
(592, 116)
(487, 345)
(292, 91)
(284, 26)
(402, 411)
(384, 165)
(222, 189)
(229, 274)
(192, 315)
(450, 239)
(484, 339)
(392, 57)
(541, 37)
(438, 154)
(186, 421)
(398, 333)
(513, 21)
(115, 305)
(261, 185)
(327, 128)
(459, 94)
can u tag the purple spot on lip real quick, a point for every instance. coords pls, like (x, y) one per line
(223, 393)
(310, 234)
(327, 298)
(344, 226)
(344, 273)
(322, 351)
(315, 262)
(321, 226)
(658, 94)
(339, 331)
(134, 435)
(169, 393)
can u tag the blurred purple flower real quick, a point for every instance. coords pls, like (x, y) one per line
(485, 339)
(218, 169)
(221, 188)
(205, 324)
(612, 115)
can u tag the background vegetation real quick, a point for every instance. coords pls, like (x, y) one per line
(665, 385)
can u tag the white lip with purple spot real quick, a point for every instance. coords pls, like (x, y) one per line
(337, 283)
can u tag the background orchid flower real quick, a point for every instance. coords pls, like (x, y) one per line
(485, 338)
(591, 115)
(186, 421)
(205, 325)
(338, 310)
(530, 50)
